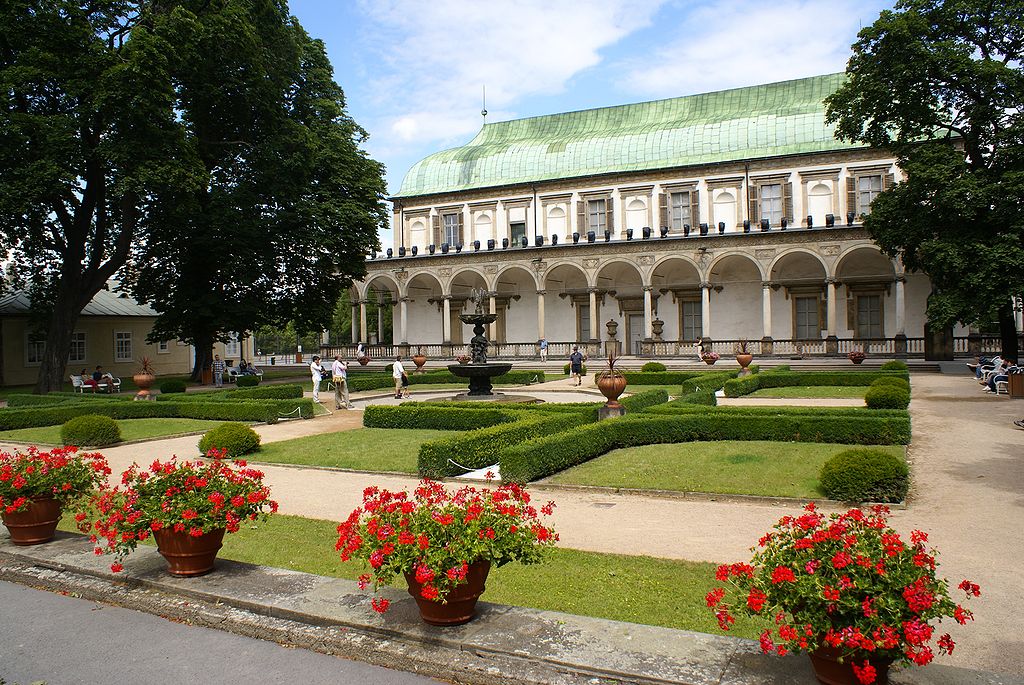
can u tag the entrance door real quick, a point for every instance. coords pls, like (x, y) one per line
(636, 331)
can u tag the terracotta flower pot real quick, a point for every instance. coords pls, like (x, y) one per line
(144, 381)
(857, 360)
(828, 670)
(460, 606)
(186, 555)
(363, 361)
(611, 385)
(419, 360)
(744, 360)
(710, 362)
(36, 525)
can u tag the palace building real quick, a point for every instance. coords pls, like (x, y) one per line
(726, 216)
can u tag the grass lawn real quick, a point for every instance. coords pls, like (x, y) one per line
(131, 429)
(776, 469)
(812, 391)
(365, 449)
(636, 589)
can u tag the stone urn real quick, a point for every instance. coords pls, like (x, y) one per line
(613, 327)
(744, 359)
(611, 384)
(143, 381)
(657, 326)
(419, 359)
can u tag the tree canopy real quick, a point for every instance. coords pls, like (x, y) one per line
(941, 85)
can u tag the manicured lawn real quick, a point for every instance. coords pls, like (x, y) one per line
(131, 429)
(364, 449)
(636, 589)
(776, 469)
(812, 391)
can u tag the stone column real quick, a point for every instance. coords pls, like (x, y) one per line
(492, 307)
(831, 341)
(403, 305)
(705, 310)
(540, 313)
(355, 318)
(446, 322)
(901, 304)
(362, 322)
(380, 320)
(594, 333)
(766, 310)
(648, 328)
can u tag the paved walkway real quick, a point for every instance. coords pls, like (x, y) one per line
(968, 493)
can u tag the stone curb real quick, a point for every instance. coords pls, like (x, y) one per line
(504, 644)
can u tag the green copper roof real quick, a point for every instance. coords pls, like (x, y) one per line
(742, 123)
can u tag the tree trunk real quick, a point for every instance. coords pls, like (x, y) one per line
(58, 338)
(204, 356)
(1009, 339)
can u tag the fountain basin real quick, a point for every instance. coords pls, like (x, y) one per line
(479, 376)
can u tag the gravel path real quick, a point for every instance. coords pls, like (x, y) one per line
(968, 494)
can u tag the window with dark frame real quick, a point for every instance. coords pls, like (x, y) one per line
(123, 346)
(77, 353)
(451, 228)
(680, 210)
(806, 325)
(692, 321)
(596, 216)
(869, 316)
(771, 203)
(868, 188)
(517, 231)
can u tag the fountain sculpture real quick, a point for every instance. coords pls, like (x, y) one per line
(478, 370)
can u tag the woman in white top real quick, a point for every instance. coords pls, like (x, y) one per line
(397, 372)
(317, 372)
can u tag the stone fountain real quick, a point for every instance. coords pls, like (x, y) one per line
(478, 370)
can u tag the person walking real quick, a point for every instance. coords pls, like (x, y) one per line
(317, 372)
(543, 349)
(218, 371)
(339, 376)
(576, 365)
(398, 373)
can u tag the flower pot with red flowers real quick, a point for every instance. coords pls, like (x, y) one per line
(35, 488)
(187, 506)
(612, 383)
(857, 356)
(444, 543)
(846, 589)
(710, 358)
(462, 359)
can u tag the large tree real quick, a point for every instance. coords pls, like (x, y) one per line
(86, 131)
(288, 205)
(941, 85)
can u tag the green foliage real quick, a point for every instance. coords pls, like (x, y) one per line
(433, 417)
(237, 438)
(956, 217)
(544, 455)
(894, 365)
(480, 448)
(565, 370)
(290, 391)
(247, 381)
(865, 475)
(90, 430)
(172, 386)
(892, 381)
(785, 379)
(705, 397)
(886, 397)
(652, 367)
(709, 382)
(642, 400)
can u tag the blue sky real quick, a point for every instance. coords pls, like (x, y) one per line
(413, 70)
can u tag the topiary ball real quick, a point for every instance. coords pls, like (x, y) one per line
(236, 438)
(653, 367)
(247, 381)
(91, 430)
(886, 397)
(172, 386)
(894, 365)
(894, 381)
(865, 475)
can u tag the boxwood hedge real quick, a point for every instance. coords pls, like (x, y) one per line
(865, 475)
(777, 379)
(436, 418)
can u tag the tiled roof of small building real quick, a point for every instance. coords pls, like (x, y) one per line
(104, 303)
(728, 125)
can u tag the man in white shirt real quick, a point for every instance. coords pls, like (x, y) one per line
(317, 372)
(398, 373)
(339, 376)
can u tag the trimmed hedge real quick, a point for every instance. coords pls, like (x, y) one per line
(172, 386)
(478, 449)
(545, 455)
(436, 418)
(247, 381)
(657, 377)
(652, 367)
(237, 438)
(886, 397)
(518, 407)
(90, 430)
(376, 381)
(706, 398)
(565, 370)
(893, 381)
(642, 400)
(865, 475)
(894, 365)
(36, 400)
(781, 379)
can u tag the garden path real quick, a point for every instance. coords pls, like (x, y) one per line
(968, 493)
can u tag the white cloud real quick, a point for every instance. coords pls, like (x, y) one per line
(731, 44)
(437, 55)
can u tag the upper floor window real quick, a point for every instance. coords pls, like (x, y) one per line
(451, 228)
(868, 188)
(596, 216)
(447, 228)
(517, 230)
(680, 211)
(123, 346)
(771, 203)
(77, 353)
(232, 347)
(863, 186)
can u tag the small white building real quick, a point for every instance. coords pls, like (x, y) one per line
(726, 216)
